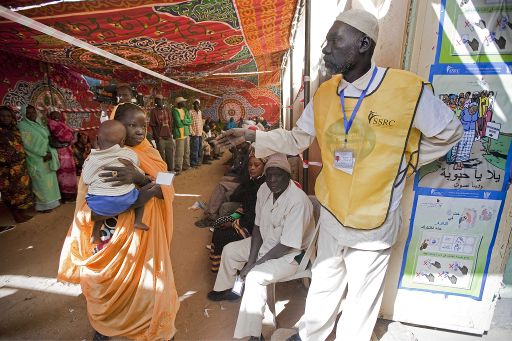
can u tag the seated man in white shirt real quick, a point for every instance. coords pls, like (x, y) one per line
(283, 227)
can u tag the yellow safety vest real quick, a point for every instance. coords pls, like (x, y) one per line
(380, 137)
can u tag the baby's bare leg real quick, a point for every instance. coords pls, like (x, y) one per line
(96, 232)
(138, 224)
(145, 194)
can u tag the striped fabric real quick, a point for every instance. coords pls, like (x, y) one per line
(197, 122)
(99, 159)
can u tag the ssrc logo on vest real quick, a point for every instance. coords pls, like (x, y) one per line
(376, 120)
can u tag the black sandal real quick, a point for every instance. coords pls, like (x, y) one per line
(100, 337)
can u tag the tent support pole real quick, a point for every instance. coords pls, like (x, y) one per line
(307, 88)
(290, 113)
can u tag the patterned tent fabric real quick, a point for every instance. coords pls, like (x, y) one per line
(196, 42)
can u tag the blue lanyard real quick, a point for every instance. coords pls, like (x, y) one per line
(348, 123)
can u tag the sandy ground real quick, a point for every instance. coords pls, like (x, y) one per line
(33, 306)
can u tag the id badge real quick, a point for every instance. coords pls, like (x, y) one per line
(344, 160)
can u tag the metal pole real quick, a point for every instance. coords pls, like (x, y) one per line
(290, 118)
(35, 25)
(281, 100)
(307, 89)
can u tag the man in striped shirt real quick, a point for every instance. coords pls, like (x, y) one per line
(196, 135)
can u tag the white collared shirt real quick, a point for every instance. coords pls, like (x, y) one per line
(289, 220)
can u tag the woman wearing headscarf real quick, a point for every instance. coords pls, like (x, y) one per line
(61, 137)
(42, 161)
(238, 225)
(129, 283)
(14, 179)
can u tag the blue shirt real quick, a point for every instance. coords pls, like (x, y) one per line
(231, 125)
(468, 121)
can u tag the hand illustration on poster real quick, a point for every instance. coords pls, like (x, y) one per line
(475, 31)
(450, 253)
(482, 104)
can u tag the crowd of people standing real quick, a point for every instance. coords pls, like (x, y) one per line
(42, 155)
(183, 136)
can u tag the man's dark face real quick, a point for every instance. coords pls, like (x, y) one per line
(5, 118)
(31, 113)
(55, 115)
(124, 94)
(196, 106)
(341, 52)
(277, 179)
(158, 102)
(181, 105)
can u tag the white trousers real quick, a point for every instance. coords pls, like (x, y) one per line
(252, 308)
(336, 270)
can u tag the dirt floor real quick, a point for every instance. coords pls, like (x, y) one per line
(33, 306)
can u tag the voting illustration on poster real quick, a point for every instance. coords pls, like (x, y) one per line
(476, 31)
(449, 245)
(482, 104)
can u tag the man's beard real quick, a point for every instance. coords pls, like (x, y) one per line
(340, 69)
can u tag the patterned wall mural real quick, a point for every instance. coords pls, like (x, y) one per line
(25, 81)
(196, 42)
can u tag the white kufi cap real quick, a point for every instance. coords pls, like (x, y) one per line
(362, 21)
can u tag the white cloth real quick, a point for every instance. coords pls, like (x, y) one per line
(252, 307)
(99, 159)
(440, 129)
(289, 220)
(104, 117)
(335, 269)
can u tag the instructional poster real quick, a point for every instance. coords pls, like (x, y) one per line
(475, 31)
(449, 244)
(480, 99)
(459, 198)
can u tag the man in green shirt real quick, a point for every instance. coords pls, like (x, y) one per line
(181, 130)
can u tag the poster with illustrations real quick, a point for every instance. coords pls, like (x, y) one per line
(475, 31)
(480, 99)
(449, 244)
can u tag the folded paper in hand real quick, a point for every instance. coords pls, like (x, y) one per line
(164, 178)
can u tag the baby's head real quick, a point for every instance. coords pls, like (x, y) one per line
(111, 133)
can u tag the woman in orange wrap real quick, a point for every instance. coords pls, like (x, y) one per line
(128, 282)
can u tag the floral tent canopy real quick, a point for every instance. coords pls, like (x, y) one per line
(198, 42)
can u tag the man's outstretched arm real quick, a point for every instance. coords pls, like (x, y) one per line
(276, 141)
(291, 142)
